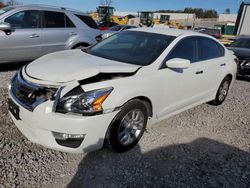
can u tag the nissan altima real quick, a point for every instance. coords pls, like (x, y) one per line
(81, 100)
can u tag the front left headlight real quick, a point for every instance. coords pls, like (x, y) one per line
(85, 103)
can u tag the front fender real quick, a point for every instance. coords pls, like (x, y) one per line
(126, 89)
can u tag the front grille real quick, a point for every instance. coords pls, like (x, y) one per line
(29, 95)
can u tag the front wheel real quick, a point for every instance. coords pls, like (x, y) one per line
(222, 92)
(128, 126)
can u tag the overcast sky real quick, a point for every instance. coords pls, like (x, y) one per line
(136, 5)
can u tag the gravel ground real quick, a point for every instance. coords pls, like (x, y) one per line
(206, 146)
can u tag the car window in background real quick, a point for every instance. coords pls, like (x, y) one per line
(138, 48)
(241, 43)
(88, 21)
(186, 49)
(56, 20)
(209, 49)
(116, 28)
(24, 20)
(5, 9)
(213, 32)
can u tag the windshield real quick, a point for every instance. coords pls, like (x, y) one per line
(6, 9)
(146, 15)
(138, 48)
(116, 28)
(241, 43)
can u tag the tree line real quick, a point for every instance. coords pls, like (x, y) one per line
(8, 3)
(199, 12)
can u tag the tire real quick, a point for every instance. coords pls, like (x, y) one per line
(222, 92)
(128, 126)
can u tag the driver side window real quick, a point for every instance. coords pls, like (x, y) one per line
(185, 49)
(28, 19)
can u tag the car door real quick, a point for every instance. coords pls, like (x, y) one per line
(212, 62)
(180, 88)
(57, 29)
(24, 41)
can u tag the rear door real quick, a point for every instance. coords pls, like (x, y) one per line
(24, 41)
(212, 62)
(57, 29)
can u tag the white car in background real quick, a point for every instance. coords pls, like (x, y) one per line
(77, 101)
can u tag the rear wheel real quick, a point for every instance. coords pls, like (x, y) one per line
(128, 126)
(222, 92)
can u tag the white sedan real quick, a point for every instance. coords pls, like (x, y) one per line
(78, 101)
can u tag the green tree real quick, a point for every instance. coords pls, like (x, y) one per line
(197, 11)
(227, 11)
(211, 13)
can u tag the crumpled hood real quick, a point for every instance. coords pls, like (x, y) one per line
(70, 65)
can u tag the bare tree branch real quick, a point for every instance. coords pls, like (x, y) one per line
(106, 2)
(12, 2)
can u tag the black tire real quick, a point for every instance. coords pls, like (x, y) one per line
(220, 99)
(112, 137)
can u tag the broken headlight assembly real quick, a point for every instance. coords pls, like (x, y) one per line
(86, 103)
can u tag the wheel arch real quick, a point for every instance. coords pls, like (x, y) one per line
(146, 101)
(229, 76)
(85, 44)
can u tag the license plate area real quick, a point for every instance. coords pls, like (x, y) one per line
(14, 109)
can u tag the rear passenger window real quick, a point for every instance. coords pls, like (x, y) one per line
(88, 21)
(186, 49)
(209, 49)
(56, 20)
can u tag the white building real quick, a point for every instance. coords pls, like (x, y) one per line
(242, 26)
(157, 15)
(175, 16)
(227, 18)
(124, 13)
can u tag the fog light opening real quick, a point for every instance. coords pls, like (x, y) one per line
(65, 136)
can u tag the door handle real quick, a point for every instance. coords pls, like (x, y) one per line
(199, 72)
(72, 33)
(34, 36)
(223, 64)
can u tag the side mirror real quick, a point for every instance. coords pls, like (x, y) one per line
(5, 26)
(178, 63)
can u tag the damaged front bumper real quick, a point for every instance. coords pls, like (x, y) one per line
(39, 122)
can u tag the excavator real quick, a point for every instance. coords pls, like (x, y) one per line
(146, 18)
(105, 17)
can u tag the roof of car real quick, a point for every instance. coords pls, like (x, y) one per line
(48, 7)
(167, 31)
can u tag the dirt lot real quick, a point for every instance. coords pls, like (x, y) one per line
(205, 146)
